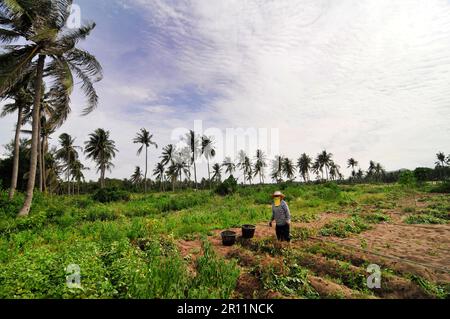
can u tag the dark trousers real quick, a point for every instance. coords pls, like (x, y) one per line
(283, 233)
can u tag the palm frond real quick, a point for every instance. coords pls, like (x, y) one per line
(87, 87)
(9, 36)
(14, 66)
(61, 88)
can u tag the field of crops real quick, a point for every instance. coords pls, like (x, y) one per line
(167, 245)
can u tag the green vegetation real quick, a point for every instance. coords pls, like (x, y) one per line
(345, 227)
(128, 248)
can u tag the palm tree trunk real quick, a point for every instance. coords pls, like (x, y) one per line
(44, 170)
(145, 174)
(40, 153)
(68, 174)
(209, 173)
(195, 174)
(15, 171)
(102, 177)
(34, 137)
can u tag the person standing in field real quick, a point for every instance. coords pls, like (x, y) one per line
(282, 216)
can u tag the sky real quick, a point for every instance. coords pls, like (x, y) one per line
(368, 79)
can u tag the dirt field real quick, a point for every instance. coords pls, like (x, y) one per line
(415, 259)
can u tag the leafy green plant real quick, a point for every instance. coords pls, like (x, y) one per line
(424, 219)
(344, 227)
(228, 187)
(106, 195)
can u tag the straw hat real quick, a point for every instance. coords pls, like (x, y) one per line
(278, 194)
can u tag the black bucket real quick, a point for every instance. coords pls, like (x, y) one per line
(248, 231)
(228, 238)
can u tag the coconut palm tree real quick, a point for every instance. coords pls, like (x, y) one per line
(371, 170)
(241, 163)
(324, 160)
(335, 171)
(136, 178)
(352, 163)
(304, 166)
(38, 29)
(193, 143)
(23, 100)
(68, 154)
(217, 172)
(52, 169)
(101, 149)
(209, 152)
(172, 174)
(441, 160)
(229, 165)
(145, 139)
(359, 175)
(379, 172)
(277, 169)
(158, 172)
(76, 171)
(246, 166)
(288, 168)
(260, 165)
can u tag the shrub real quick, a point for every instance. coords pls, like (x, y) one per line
(216, 277)
(106, 195)
(407, 179)
(228, 187)
(444, 187)
(10, 208)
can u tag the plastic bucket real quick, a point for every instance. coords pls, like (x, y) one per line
(228, 238)
(248, 231)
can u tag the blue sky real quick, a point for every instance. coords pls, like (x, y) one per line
(362, 78)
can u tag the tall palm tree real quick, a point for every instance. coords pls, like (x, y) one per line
(145, 139)
(101, 149)
(76, 170)
(352, 163)
(38, 29)
(217, 172)
(277, 169)
(304, 166)
(324, 160)
(246, 165)
(136, 178)
(335, 171)
(209, 152)
(379, 171)
(441, 160)
(172, 174)
(23, 100)
(193, 143)
(241, 163)
(260, 165)
(288, 168)
(359, 175)
(158, 172)
(229, 165)
(371, 170)
(68, 154)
